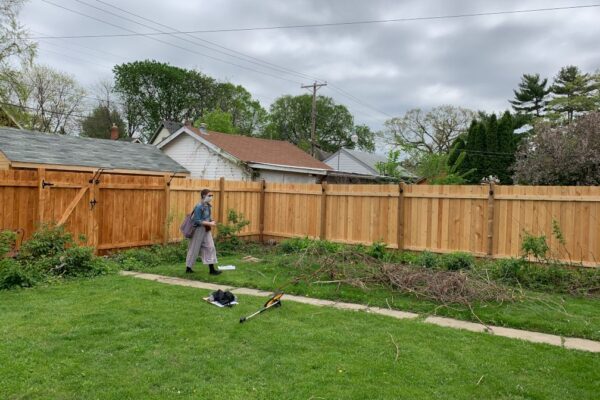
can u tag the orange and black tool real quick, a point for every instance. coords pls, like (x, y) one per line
(274, 301)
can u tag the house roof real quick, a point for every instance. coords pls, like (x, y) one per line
(171, 126)
(42, 148)
(259, 151)
(369, 160)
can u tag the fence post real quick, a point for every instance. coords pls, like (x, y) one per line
(400, 227)
(261, 226)
(490, 222)
(167, 209)
(93, 216)
(222, 200)
(323, 230)
(41, 172)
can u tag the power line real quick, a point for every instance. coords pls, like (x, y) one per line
(45, 111)
(134, 33)
(275, 66)
(332, 24)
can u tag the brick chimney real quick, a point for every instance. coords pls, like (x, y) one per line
(114, 132)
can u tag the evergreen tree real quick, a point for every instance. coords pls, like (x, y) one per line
(573, 92)
(97, 124)
(531, 96)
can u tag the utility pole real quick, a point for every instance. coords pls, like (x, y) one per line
(313, 117)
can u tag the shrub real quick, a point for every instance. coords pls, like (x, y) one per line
(7, 242)
(12, 274)
(509, 270)
(228, 238)
(171, 253)
(536, 246)
(295, 245)
(48, 241)
(377, 250)
(139, 258)
(428, 260)
(458, 261)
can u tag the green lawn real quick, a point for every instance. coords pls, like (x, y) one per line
(119, 337)
(551, 313)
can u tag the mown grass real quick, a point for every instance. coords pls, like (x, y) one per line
(559, 314)
(117, 337)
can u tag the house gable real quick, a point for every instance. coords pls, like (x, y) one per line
(202, 161)
(343, 161)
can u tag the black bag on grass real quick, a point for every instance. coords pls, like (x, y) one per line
(221, 297)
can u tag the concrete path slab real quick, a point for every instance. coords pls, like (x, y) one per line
(529, 336)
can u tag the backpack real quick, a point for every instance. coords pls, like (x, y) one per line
(223, 298)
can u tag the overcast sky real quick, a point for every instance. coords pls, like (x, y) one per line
(391, 67)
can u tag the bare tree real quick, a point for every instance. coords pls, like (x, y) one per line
(50, 100)
(430, 132)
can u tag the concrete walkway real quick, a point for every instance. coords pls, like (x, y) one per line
(535, 337)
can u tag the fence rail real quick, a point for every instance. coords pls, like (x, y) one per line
(118, 211)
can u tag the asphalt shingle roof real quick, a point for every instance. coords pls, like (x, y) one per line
(265, 151)
(42, 148)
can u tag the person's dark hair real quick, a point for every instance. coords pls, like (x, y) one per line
(204, 192)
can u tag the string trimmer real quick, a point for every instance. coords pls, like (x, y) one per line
(274, 301)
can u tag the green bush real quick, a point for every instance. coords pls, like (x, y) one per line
(171, 253)
(12, 274)
(228, 239)
(295, 245)
(7, 242)
(458, 261)
(137, 258)
(535, 246)
(428, 260)
(48, 241)
(508, 271)
(377, 250)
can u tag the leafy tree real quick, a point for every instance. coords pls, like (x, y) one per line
(391, 167)
(563, 155)
(98, 123)
(572, 91)
(437, 169)
(489, 147)
(532, 95)
(248, 117)
(431, 132)
(219, 121)
(290, 119)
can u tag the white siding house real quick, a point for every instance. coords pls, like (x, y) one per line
(202, 162)
(212, 155)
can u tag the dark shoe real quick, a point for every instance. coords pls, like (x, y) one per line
(214, 272)
(188, 270)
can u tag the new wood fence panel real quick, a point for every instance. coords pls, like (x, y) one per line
(18, 200)
(292, 210)
(446, 218)
(244, 198)
(538, 210)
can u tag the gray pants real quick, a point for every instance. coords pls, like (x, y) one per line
(201, 240)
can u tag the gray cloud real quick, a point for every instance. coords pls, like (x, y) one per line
(474, 62)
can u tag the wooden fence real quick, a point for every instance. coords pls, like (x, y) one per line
(119, 211)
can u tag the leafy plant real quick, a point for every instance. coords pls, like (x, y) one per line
(428, 260)
(377, 250)
(458, 261)
(7, 242)
(228, 238)
(535, 246)
(12, 274)
(48, 241)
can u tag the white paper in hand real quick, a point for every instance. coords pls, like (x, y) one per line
(226, 267)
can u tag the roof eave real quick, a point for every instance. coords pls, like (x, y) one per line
(288, 168)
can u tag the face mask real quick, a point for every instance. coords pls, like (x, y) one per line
(208, 199)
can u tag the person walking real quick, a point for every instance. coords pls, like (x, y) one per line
(202, 241)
